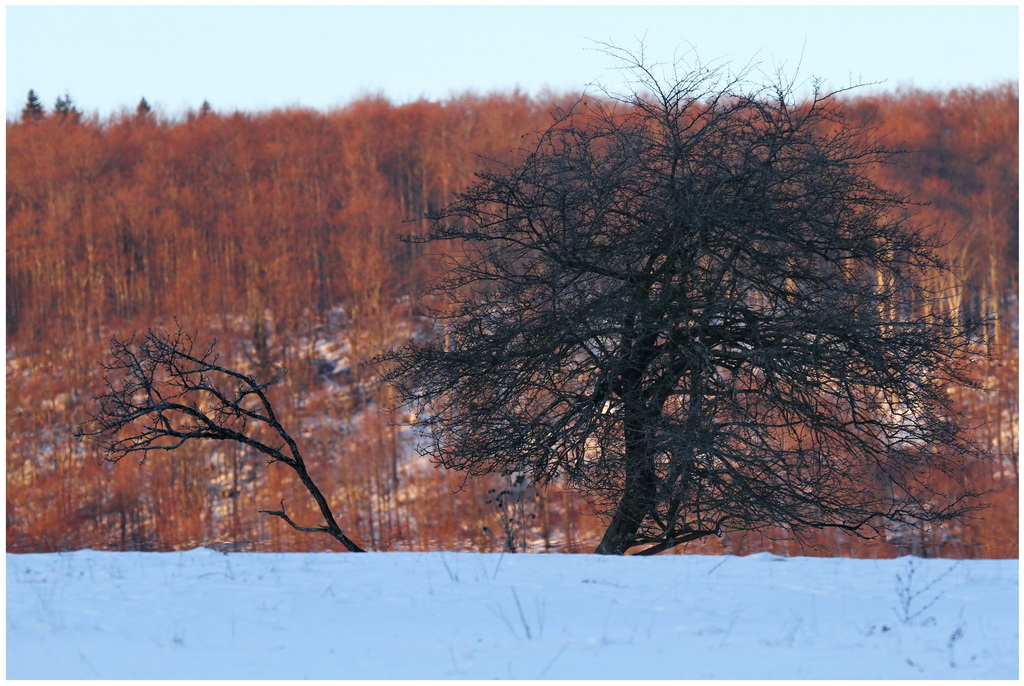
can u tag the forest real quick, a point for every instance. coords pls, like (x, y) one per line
(276, 233)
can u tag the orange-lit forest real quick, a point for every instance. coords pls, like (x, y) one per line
(276, 234)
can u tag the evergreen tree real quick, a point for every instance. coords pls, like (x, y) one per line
(65, 107)
(33, 110)
(143, 110)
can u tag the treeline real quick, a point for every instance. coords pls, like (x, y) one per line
(118, 222)
(276, 232)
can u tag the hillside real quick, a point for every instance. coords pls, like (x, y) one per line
(276, 234)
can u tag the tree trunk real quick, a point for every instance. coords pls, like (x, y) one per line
(621, 533)
(639, 490)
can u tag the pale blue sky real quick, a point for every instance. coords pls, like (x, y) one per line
(259, 57)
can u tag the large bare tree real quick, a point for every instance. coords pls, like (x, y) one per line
(693, 304)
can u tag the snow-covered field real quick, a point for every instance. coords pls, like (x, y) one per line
(205, 614)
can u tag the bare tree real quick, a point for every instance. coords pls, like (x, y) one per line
(161, 392)
(694, 305)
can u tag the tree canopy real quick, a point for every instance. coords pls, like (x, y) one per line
(694, 304)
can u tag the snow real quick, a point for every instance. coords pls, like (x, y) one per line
(203, 614)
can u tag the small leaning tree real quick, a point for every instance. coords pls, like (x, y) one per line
(694, 305)
(162, 390)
